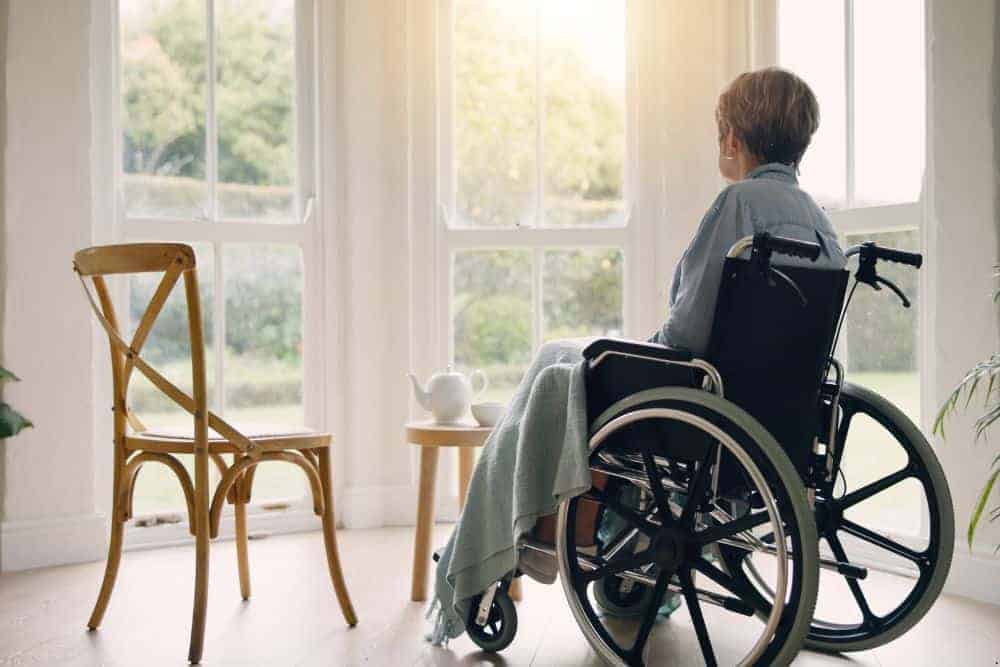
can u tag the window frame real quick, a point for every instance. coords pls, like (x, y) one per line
(305, 231)
(852, 220)
(451, 240)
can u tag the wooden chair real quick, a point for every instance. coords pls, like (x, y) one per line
(134, 446)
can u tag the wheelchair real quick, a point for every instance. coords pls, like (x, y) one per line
(721, 482)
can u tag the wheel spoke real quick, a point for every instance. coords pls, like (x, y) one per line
(880, 541)
(655, 483)
(715, 533)
(649, 616)
(696, 490)
(631, 516)
(876, 487)
(734, 586)
(620, 565)
(859, 596)
(694, 608)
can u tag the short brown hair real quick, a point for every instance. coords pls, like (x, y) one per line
(772, 111)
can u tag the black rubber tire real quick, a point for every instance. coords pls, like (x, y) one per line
(943, 542)
(611, 602)
(503, 616)
(773, 462)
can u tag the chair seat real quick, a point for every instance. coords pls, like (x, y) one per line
(268, 437)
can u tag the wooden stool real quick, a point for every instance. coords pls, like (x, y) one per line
(429, 437)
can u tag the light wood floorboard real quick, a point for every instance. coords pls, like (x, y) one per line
(294, 619)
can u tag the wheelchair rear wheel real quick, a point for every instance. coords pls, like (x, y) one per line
(677, 522)
(891, 477)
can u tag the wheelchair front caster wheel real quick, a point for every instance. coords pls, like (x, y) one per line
(500, 627)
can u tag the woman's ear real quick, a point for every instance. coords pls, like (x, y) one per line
(731, 145)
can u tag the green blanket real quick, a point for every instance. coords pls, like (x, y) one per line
(535, 457)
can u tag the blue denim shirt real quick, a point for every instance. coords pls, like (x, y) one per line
(767, 200)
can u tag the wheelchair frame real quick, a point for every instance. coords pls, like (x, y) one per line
(824, 464)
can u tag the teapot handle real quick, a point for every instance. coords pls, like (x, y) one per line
(486, 383)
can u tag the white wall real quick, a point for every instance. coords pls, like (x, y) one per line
(962, 222)
(378, 258)
(48, 495)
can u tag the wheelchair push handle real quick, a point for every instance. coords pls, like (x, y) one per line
(869, 251)
(786, 246)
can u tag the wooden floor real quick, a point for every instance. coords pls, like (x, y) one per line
(294, 619)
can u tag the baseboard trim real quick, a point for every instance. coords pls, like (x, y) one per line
(378, 506)
(35, 543)
(974, 575)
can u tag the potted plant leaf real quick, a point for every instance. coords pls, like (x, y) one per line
(12, 422)
(983, 377)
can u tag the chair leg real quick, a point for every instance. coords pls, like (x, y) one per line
(110, 570)
(201, 560)
(330, 539)
(242, 552)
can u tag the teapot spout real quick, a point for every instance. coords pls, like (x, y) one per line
(423, 398)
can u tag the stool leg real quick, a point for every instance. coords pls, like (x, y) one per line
(425, 523)
(466, 463)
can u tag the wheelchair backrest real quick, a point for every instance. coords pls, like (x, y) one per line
(771, 347)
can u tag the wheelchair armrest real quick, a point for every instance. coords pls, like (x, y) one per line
(632, 348)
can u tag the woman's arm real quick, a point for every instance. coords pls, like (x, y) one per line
(697, 278)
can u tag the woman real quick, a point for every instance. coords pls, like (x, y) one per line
(766, 120)
(537, 455)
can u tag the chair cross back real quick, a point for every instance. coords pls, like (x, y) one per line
(173, 260)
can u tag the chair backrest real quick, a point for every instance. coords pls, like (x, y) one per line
(772, 349)
(174, 260)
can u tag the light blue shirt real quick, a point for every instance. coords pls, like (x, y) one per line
(767, 200)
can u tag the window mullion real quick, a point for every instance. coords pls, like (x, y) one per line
(539, 120)
(849, 99)
(219, 339)
(211, 132)
(538, 257)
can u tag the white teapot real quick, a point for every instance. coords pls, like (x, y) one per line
(448, 394)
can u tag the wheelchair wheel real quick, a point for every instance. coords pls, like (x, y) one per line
(890, 473)
(665, 543)
(500, 627)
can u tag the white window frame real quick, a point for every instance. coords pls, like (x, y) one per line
(451, 240)
(852, 220)
(311, 180)
(849, 219)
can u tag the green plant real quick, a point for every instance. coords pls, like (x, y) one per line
(984, 376)
(12, 422)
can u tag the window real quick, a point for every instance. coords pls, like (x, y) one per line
(214, 126)
(866, 168)
(534, 178)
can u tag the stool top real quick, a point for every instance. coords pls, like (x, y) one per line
(463, 434)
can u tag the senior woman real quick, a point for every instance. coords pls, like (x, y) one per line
(537, 454)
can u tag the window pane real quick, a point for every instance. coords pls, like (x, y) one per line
(495, 109)
(168, 350)
(163, 65)
(882, 343)
(263, 371)
(583, 79)
(889, 101)
(254, 98)
(491, 311)
(811, 44)
(882, 352)
(582, 293)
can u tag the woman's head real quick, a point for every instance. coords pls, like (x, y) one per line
(764, 116)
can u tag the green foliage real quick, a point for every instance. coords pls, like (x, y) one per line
(983, 376)
(164, 84)
(880, 333)
(12, 422)
(495, 115)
